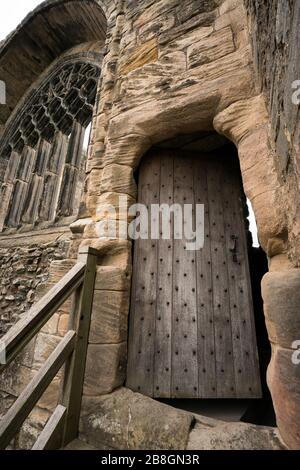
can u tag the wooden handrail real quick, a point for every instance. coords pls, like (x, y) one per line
(63, 425)
(25, 403)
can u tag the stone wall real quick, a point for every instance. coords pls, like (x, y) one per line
(19, 373)
(275, 36)
(130, 421)
(22, 270)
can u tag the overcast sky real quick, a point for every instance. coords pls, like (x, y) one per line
(12, 12)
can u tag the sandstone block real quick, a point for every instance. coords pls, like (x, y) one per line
(15, 379)
(129, 421)
(79, 225)
(32, 428)
(58, 269)
(6, 400)
(280, 263)
(63, 324)
(228, 5)
(109, 317)
(209, 49)
(44, 346)
(114, 206)
(281, 295)
(236, 121)
(112, 278)
(127, 149)
(119, 179)
(162, 24)
(111, 252)
(105, 368)
(284, 382)
(49, 400)
(51, 326)
(233, 436)
(141, 55)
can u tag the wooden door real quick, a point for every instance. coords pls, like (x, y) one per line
(192, 332)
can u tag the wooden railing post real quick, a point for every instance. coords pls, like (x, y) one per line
(80, 321)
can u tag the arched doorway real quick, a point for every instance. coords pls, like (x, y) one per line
(192, 331)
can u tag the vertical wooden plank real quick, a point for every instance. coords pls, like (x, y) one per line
(196, 304)
(184, 338)
(206, 334)
(222, 320)
(163, 330)
(141, 348)
(24, 404)
(245, 354)
(52, 435)
(80, 320)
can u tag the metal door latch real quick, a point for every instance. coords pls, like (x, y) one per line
(233, 248)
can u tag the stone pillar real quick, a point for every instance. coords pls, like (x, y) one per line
(281, 294)
(69, 187)
(53, 177)
(36, 185)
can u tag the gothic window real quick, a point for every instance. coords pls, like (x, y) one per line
(43, 147)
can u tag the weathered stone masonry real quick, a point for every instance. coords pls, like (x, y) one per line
(23, 269)
(274, 37)
(176, 67)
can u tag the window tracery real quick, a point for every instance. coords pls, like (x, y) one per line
(43, 146)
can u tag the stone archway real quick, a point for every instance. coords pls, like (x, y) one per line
(220, 95)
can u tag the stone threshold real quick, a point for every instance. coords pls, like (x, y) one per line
(125, 420)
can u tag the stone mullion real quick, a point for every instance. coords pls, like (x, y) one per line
(53, 177)
(7, 186)
(27, 163)
(67, 197)
(36, 183)
(17, 178)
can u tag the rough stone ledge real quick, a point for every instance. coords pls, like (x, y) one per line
(127, 420)
(217, 435)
